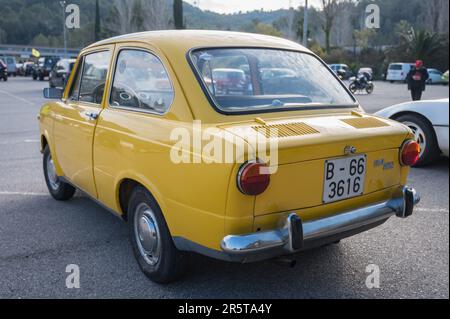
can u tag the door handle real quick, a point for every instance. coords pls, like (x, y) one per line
(91, 115)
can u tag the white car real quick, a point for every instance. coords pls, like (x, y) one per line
(429, 121)
(436, 77)
(398, 71)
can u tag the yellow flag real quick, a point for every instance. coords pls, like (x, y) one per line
(36, 53)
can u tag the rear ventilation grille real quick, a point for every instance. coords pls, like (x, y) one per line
(285, 130)
(365, 122)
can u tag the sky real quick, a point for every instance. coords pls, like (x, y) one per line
(231, 6)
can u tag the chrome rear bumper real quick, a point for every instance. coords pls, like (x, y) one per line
(296, 235)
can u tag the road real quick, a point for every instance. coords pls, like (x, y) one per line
(39, 237)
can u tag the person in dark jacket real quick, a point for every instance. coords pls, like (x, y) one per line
(417, 79)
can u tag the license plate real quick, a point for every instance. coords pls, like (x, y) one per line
(344, 178)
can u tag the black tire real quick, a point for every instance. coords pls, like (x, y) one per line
(63, 191)
(369, 89)
(34, 77)
(432, 151)
(41, 78)
(171, 262)
(352, 87)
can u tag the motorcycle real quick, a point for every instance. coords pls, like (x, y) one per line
(361, 83)
(3, 71)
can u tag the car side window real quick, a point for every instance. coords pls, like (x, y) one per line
(93, 78)
(141, 82)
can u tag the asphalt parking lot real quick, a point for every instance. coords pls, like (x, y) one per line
(39, 237)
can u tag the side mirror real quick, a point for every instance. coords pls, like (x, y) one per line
(53, 93)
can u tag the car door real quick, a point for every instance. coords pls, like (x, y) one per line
(77, 116)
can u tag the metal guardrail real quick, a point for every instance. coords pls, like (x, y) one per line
(25, 51)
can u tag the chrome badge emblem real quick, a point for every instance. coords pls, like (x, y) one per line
(348, 150)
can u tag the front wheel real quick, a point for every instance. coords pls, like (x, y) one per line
(425, 136)
(152, 242)
(369, 88)
(59, 190)
(353, 88)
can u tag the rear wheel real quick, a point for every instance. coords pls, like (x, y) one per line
(370, 88)
(59, 190)
(150, 237)
(425, 136)
(353, 88)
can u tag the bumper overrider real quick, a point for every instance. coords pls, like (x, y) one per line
(296, 235)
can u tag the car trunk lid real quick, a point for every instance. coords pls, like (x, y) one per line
(304, 145)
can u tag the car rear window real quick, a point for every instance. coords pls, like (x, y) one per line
(253, 80)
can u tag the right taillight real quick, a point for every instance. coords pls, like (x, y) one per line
(253, 178)
(410, 153)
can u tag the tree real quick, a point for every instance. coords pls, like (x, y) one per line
(178, 14)
(261, 28)
(435, 10)
(329, 10)
(3, 36)
(129, 16)
(420, 44)
(362, 37)
(97, 26)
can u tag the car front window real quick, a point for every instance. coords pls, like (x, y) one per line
(246, 80)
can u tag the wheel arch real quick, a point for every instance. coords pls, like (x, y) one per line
(125, 188)
(44, 143)
(421, 116)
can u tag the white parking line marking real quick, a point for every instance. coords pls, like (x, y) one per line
(22, 194)
(18, 98)
(19, 142)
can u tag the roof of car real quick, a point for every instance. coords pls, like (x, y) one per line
(188, 39)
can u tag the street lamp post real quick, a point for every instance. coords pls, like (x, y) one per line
(63, 5)
(305, 25)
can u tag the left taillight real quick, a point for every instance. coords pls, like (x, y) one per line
(253, 178)
(410, 153)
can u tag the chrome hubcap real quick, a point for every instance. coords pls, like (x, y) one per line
(419, 136)
(147, 234)
(51, 174)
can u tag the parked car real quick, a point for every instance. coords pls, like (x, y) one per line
(436, 77)
(61, 72)
(28, 68)
(20, 69)
(343, 70)
(229, 81)
(3, 71)
(445, 77)
(44, 67)
(123, 138)
(429, 120)
(11, 64)
(397, 72)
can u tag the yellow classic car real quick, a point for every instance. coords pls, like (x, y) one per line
(237, 146)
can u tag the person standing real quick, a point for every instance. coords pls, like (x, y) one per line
(417, 79)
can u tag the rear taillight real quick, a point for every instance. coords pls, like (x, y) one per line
(253, 178)
(410, 153)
